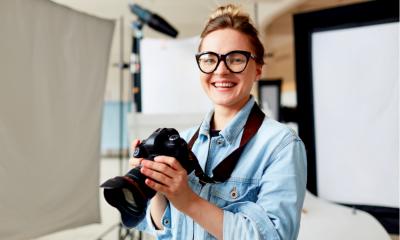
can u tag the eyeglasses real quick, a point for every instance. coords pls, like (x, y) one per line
(236, 61)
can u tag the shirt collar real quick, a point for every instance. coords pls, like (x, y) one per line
(234, 127)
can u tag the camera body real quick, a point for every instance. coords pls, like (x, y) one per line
(166, 142)
(128, 193)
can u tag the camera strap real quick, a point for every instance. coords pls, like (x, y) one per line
(225, 168)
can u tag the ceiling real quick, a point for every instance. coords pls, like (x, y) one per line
(188, 16)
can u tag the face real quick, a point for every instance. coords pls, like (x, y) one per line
(224, 88)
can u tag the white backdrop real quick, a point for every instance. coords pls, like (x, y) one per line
(356, 114)
(170, 77)
(53, 64)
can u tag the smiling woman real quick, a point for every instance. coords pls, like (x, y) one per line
(252, 180)
(227, 89)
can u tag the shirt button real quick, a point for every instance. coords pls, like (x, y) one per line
(234, 193)
(166, 221)
(220, 141)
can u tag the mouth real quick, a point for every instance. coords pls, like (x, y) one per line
(223, 84)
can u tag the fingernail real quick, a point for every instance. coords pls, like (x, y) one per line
(147, 181)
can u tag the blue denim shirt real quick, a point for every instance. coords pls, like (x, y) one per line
(263, 197)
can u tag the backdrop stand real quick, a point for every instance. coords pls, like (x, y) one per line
(123, 232)
(159, 24)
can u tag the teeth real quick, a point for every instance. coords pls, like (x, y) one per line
(224, 84)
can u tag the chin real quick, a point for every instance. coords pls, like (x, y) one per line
(222, 99)
(227, 102)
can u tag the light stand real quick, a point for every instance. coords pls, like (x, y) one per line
(135, 64)
(159, 24)
(155, 22)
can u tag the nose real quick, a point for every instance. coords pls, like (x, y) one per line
(221, 68)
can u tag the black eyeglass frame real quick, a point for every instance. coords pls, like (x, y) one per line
(222, 57)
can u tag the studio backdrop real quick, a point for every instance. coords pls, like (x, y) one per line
(347, 71)
(53, 64)
(171, 78)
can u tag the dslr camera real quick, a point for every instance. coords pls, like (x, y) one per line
(128, 193)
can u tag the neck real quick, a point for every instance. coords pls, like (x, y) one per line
(223, 115)
(221, 118)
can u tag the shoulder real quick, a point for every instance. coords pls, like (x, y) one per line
(188, 133)
(273, 137)
(272, 129)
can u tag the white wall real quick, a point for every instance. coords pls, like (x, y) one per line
(187, 16)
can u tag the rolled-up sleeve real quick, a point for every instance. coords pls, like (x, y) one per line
(277, 211)
(146, 225)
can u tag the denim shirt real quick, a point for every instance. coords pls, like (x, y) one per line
(263, 197)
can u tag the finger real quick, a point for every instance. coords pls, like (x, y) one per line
(159, 167)
(135, 143)
(134, 162)
(155, 185)
(171, 161)
(156, 176)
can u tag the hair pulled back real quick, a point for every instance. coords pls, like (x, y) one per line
(230, 16)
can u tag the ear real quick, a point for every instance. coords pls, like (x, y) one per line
(258, 72)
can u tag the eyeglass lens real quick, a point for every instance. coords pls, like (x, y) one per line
(235, 61)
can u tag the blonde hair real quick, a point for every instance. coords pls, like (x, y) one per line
(230, 16)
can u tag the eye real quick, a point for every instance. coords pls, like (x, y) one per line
(236, 60)
(239, 60)
(208, 59)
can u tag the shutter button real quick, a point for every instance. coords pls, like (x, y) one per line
(234, 193)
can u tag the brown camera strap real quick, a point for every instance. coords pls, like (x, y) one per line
(225, 168)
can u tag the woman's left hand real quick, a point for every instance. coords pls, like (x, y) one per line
(166, 175)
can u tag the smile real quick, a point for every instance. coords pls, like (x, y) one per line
(224, 84)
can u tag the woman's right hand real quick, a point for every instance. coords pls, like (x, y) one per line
(134, 162)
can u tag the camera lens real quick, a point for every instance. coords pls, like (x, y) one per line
(129, 193)
(129, 197)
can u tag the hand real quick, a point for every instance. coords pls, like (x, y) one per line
(159, 202)
(134, 162)
(167, 176)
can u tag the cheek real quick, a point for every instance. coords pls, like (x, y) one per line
(253, 74)
(204, 79)
(248, 80)
(248, 85)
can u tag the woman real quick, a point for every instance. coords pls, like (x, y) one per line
(261, 195)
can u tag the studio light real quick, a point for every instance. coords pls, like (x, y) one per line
(153, 20)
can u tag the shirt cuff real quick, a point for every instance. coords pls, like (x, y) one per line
(165, 221)
(250, 222)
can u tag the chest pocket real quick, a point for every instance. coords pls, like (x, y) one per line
(229, 192)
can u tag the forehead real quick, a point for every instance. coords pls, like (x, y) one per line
(225, 40)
